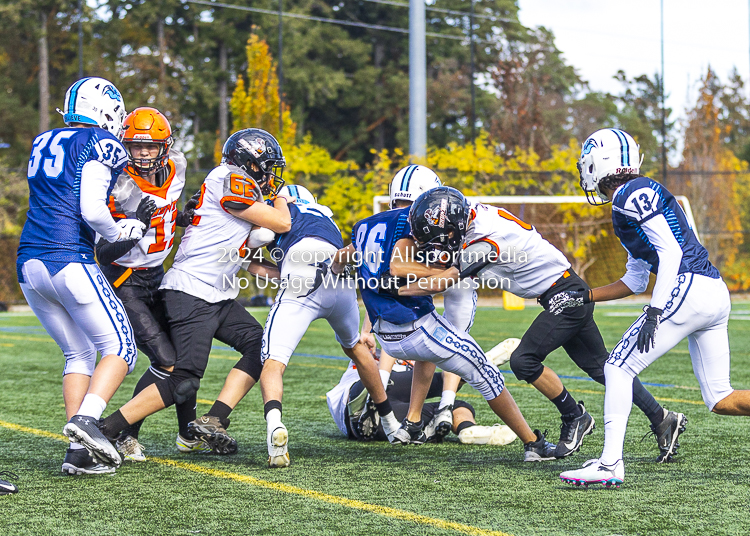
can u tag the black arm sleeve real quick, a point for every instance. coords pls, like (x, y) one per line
(109, 252)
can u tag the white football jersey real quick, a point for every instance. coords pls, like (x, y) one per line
(527, 265)
(158, 240)
(213, 247)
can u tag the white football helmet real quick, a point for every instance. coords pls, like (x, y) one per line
(301, 195)
(410, 182)
(95, 101)
(607, 152)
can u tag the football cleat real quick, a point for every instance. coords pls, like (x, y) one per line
(130, 449)
(667, 434)
(440, 425)
(80, 462)
(6, 488)
(278, 439)
(573, 431)
(390, 427)
(501, 353)
(366, 423)
(209, 429)
(410, 433)
(540, 450)
(85, 430)
(498, 434)
(595, 472)
(191, 445)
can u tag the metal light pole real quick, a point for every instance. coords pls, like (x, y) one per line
(281, 77)
(417, 79)
(473, 91)
(663, 106)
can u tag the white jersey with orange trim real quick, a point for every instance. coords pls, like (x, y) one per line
(526, 264)
(212, 250)
(158, 240)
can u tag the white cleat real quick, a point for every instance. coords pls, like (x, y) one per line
(278, 455)
(440, 425)
(498, 434)
(500, 354)
(130, 449)
(595, 472)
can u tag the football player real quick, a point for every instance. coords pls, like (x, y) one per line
(689, 298)
(71, 173)
(409, 328)
(153, 182)
(308, 292)
(200, 288)
(347, 404)
(505, 252)
(460, 305)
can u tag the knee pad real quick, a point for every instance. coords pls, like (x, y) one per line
(526, 367)
(186, 390)
(179, 387)
(251, 365)
(80, 362)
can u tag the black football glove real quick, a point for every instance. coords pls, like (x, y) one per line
(389, 284)
(145, 210)
(567, 299)
(186, 215)
(648, 330)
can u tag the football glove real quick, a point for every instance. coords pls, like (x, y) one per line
(130, 229)
(186, 215)
(567, 299)
(647, 334)
(145, 211)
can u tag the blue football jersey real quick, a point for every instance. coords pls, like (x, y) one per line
(641, 199)
(375, 238)
(308, 221)
(55, 231)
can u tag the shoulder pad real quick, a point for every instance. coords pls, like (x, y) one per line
(239, 190)
(638, 200)
(179, 161)
(125, 196)
(108, 150)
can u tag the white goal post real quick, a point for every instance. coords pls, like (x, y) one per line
(381, 202)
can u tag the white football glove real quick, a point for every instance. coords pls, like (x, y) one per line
(130, 229)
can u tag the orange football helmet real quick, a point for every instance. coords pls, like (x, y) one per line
(147, 125)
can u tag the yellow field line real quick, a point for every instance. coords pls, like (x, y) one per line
(385, 511)
(26, 338)
(204, 401)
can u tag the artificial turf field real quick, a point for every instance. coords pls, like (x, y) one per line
(335, 486)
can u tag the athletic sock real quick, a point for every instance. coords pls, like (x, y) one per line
(385, 376)
(220, 410)
(113, 425)
(567, 405)
(186, 414)
(272, 411)
(448, 398)
(92, 406)
(384, 407)
(76, 446)
(618, 400)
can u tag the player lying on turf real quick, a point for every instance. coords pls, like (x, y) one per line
(460, 305)
(348, 406)
(409, 328)
(505, 252)
(308, 292)
(198, 290)
(150, 187)
(71, 173)
(689, 298)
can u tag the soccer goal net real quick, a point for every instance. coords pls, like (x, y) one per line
(581, 231)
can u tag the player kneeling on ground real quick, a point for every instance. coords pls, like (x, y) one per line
(534, 269)
(347, 404)
(308, 292)
(689, 298)
(71, 173)
(409, 328)
(150, 187)
(198, 290)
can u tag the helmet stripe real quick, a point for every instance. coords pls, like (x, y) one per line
(293, 191)
(74, 95)
(407, 177)
(624, 147)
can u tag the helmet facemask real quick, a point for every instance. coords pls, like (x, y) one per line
(267, 175)
(145, 166)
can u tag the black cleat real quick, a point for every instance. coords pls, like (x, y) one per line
(572, 433)
(80, 462)
(540, 450)
(85, 430)
(410, 433)
(6, 488)
(209, 429)
(667, 434)
(366, 424)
